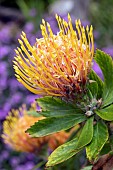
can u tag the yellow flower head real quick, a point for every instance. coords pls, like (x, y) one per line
(57, 65)
(14, 127)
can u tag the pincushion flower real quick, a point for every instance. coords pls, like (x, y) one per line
(57, 65)
(15, 125)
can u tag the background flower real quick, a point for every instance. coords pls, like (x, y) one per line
(14, 135)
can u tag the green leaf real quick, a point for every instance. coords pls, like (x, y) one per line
(93, 88)
(62, 153)
(106, 113)
(111, 137)
(106, 148)
(86, 133)
(53, 107)
(34, 113)
(55, 124)
(95, 77)
(106, 64)
(72, 147)
(87, 168)
(99, 139)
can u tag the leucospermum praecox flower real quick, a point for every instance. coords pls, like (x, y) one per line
(57, 65)
(15, 125)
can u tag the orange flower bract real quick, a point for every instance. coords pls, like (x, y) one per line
(56, 64)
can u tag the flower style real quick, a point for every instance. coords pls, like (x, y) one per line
(57, 65)
(15, 125)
